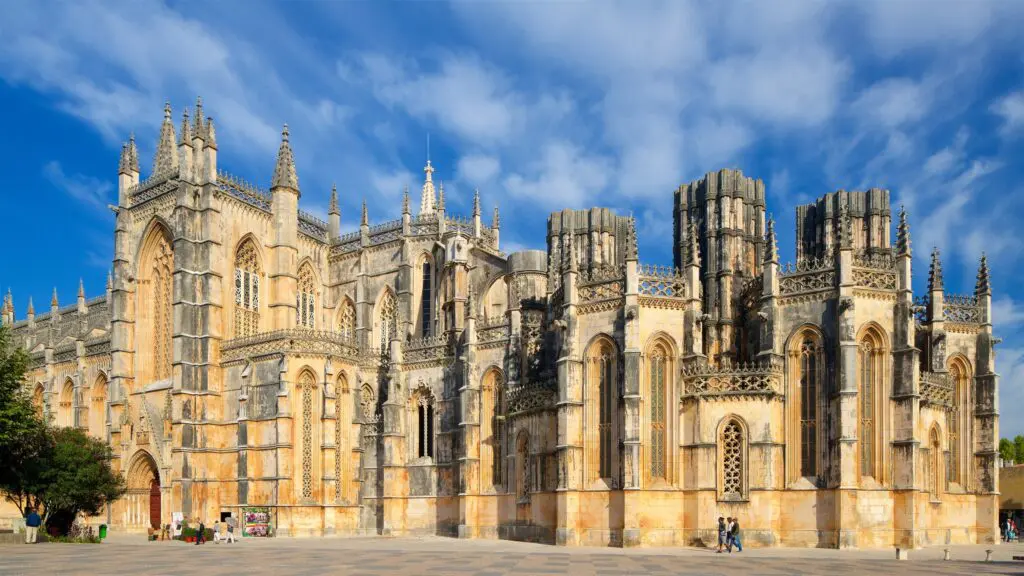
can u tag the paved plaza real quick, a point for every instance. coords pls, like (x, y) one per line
(440, 556)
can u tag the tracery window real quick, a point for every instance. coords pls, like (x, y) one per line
(387, 317)
(65, 417)
(305, 298)
(366, 402)
(523, 466)
(500, 431)
(426, 298)
(934, 468)
(601, 409)
(956, 425)
(492, 429)
(307, 385)
(247, 290)
(809, 385)
(347, 319)
(658, 368)
(163, 327)
(424, 424)
(732, 456)
(97, 412)
(343, 418)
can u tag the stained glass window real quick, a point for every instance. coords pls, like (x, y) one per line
(247, 290)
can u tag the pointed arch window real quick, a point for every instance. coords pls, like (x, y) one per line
(366, 402)
(347, 319)
(424, 401)
(523, 466)
(97, 410)
(307, 387)
(601, 410)
(492, 420)
(247, 290)
(805, 388)
(732, 460)
(387, 320)
(934, 469)
(426, 298)
(658, 361)
(305, 298)
(870, 359)
(956, 425)
(163, 312)
(342, 422)
(809, 384)
(65, 415)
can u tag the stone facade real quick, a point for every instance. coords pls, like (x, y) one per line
(411, 378)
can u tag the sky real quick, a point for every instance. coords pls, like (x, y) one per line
(540, 106)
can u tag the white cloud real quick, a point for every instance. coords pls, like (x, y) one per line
(90, 191)
(892, 102)
(478, 169)
(564, 176)
(1006, 312)
(1011, 109)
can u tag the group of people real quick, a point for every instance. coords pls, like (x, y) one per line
(729, 534)
(1010, 531)
(223, 531)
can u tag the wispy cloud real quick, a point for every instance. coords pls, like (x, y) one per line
(92, 192)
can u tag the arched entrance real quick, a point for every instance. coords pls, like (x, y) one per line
(142, 501)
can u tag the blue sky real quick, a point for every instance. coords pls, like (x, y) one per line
(540, 106)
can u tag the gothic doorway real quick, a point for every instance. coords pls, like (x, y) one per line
(143, 501)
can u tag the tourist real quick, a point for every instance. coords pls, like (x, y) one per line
(231, 531)
(734, 536)
(32, 522)
(216, 532)
(721, 533)
(201, 534)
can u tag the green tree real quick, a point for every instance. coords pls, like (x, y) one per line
(1007, 451)
(78, 478)
(24, 438)
(1018, 444)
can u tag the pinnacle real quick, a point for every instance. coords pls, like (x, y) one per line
(476, 202)
(211, 134)
(903, 234)
(186, 129)
(693, 246)
(167, 111)
(284, 171)
(81, 288)
(366, 216)
(53, 301)
(632, 252)
(440, 201)
(133, 154)
(935, 272)
(166, 158)
(772, 251)
(405, 200)
(983, 284)
(496, 223)
(333, 207)
(31, 308)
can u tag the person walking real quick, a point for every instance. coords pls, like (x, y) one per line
(231, 531)
(201, 535)
(721, 533)
(734, 535)
(728, 534)
(32, 523)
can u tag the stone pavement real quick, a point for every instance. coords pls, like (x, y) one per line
(442, 556)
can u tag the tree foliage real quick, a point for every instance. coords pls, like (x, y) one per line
(60, 471)
(1007, 451)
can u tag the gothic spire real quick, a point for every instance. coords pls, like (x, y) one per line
(405, 200)
(123, 163)
(166, 157)
(53, 301)
(692, 246)
(427, 199)
(935, 272)
(983, 285)
(200, 132)
(440, 201)
(211, 134)
(333, 207)
(771, 253)
(133, 154)
(31, 308)
(284, 172)
(903, 234)
(496, 223)
(366, 216)
(81, 288)
(186, 128)
(476, 203)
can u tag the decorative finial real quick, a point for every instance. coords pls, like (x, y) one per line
(440, 201)
(771, 254)
(110, 281)
(199, 132)
(427, 198)
(211, 134)
(167, 110)
(903, 234)
(333, 207)
(285, 175)
(632, 250)
(133, 154)
(569, 253)
(476, 203)
(53, 301)
(186, 129)
(366, 216)
(983, 285)
(693, 245)
(845, 227)
(31, 308)
(123, 163)
(935, 272)
(405, 200)
(496, 223)
(81, 288)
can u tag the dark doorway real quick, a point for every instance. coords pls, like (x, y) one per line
(154, 504)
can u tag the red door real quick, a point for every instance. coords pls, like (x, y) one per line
(154, 504)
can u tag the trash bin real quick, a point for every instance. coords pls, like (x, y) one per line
(103, 531)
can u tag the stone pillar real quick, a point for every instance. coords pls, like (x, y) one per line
(842, 461)
(469, 460)
(570, 403)
(986, 417)
(632, 478)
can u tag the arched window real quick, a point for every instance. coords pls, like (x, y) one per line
(958, 419)
(65, 416)
(659, 376)
(247, 290)
(424, 404)
(37, 400)
(98, 409)
(163, 310)
(732, 448)
(426, 297)
(934, 471)
(387, 318)
(347, 319)
(495, 301)
(367, 403)
(305, 298)
(871, 358)
(307, 389)
(601, 409)
(523, 466)
(492, 424)
(806, 382)
(342, 427)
